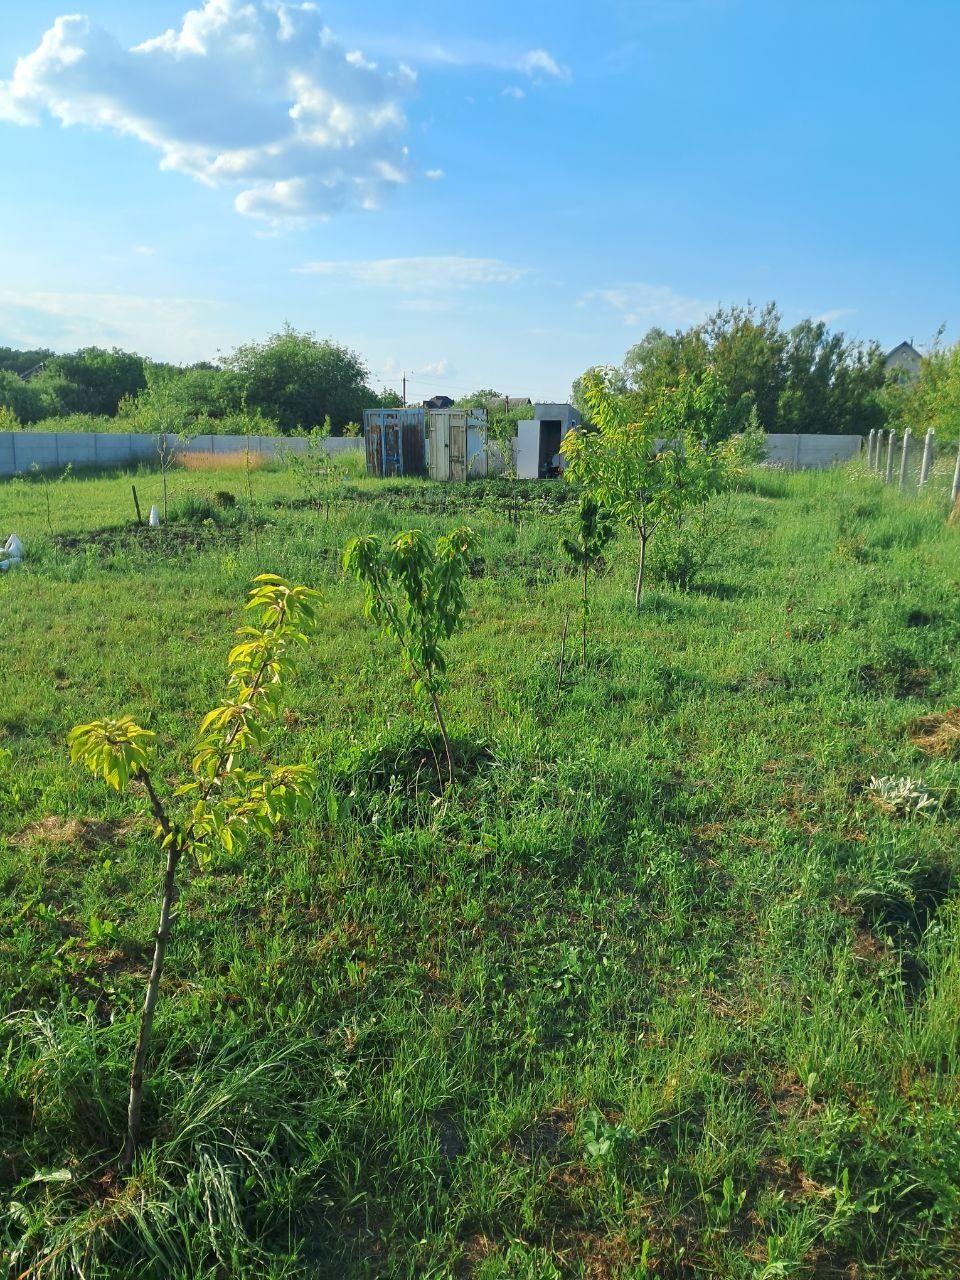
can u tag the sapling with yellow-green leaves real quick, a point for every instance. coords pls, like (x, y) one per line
(224, 801)
(649, 470)
(415, 593)
(593, 530)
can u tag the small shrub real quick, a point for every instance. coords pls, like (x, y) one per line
(697, 544)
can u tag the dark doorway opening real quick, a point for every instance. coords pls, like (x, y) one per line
(549, 443)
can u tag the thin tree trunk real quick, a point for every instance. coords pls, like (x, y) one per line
(135, 1104)
(643, 559)
(583, 618)
(563, 652)
(443, 734)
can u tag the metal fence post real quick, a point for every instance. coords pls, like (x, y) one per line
(927, 457)
(891, 436)
(905, 457)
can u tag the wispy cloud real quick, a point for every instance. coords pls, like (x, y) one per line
(514, 91)
(180, 329)
(837, 313)
(245, 93)
(418, 275)
(538, 64)
(392, 368)
(427, 306)
(644, 305)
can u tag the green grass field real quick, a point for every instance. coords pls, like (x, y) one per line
(657, 990)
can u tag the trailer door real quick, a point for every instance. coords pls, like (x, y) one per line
(458, 446)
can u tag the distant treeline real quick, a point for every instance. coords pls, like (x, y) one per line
(802, 379)
(292, 382)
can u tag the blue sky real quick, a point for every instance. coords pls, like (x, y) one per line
(497, 195)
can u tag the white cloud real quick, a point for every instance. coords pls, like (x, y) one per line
(416, 275)
(256, 95)
(644, 305)
(392, 369)
(434, 174)
(537, 62)
(514, 91)
(837, 313)
(179, 329)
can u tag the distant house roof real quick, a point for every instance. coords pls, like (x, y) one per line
(903, 362)
(438, 402)
(514, 402)
(904, 351)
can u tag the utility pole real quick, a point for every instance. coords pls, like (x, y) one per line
(404, 396)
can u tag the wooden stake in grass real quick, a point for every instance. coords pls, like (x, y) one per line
(223, 803)
(415, 592)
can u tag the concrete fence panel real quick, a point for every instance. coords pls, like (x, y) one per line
(77, 450)
(51, 451)
(811, 450)
(8, 463)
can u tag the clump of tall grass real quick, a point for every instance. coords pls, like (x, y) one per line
(232, 1123)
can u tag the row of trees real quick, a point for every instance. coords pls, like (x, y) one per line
(292, 381)
(803, 379)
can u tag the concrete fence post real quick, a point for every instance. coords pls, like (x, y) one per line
(955, 491)
(927, 457)
(905, 457)
(870, 442)
(891, 437)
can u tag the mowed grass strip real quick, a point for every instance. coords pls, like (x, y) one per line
(657, 990)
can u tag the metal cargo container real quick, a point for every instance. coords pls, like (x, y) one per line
(394, 442)
(457, 443)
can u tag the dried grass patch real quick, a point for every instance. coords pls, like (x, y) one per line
(86, 833)
(938, 734)
(208, 460)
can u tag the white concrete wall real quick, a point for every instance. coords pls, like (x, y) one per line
(54, 450)
(811, 450)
